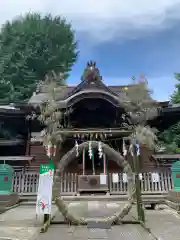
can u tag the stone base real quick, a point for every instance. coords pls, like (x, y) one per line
(8, 200)
(173, 200)
(174, 196)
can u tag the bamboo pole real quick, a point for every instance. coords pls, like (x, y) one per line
(140, 210)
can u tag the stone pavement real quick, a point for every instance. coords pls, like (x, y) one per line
(164, 224)
(97, 209)
(20, 223)
(123, 232)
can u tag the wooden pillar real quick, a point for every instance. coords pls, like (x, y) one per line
(28, 140)
(84, 152)
(104, 164)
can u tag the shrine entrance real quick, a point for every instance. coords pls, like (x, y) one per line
(94, 179)
(93, 114)
(94, 176)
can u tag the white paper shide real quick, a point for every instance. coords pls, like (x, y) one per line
(155, 177)
(103, 179)
(115, 177)
(140, 176)
(125, 178)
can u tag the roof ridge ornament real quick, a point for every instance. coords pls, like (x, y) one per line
(91, 73)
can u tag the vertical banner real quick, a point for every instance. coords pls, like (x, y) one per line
(44, 195)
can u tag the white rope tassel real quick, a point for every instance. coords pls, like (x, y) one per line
(137, 149)
(49, 149)
(131, 150)
(54, 150)
(77, 149)
(100, 151)
(124, 149)
(90, 150)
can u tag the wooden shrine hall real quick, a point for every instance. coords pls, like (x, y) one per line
(92, 111)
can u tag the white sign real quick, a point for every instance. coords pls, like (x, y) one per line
(115, 177)
(155, 177)
(103, 179)
(125, 179)
(140, 176)
(44, 195)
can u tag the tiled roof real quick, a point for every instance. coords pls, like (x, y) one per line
(65, 91)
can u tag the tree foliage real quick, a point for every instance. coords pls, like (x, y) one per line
(30, 47)
(175, 98)
(170, 138)
(50, 115)
(141, 108)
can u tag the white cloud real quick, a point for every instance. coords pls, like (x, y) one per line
(102, 20)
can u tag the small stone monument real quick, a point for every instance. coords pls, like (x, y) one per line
(7, 197)
(174, 194)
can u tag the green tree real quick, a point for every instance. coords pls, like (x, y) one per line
(30, 47)
(170, 138)
(175, 98)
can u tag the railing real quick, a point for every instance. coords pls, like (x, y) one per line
(147, 185)
(27, 183)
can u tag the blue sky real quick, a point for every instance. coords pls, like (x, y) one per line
(125, 38)
(156, 54)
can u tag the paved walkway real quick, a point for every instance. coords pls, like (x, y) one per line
(124, 232)
(20, 223)
(164, 224)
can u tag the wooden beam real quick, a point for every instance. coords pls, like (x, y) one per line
(91, 131)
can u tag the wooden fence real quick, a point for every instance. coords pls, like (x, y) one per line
(27, 183)
(148, 186)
